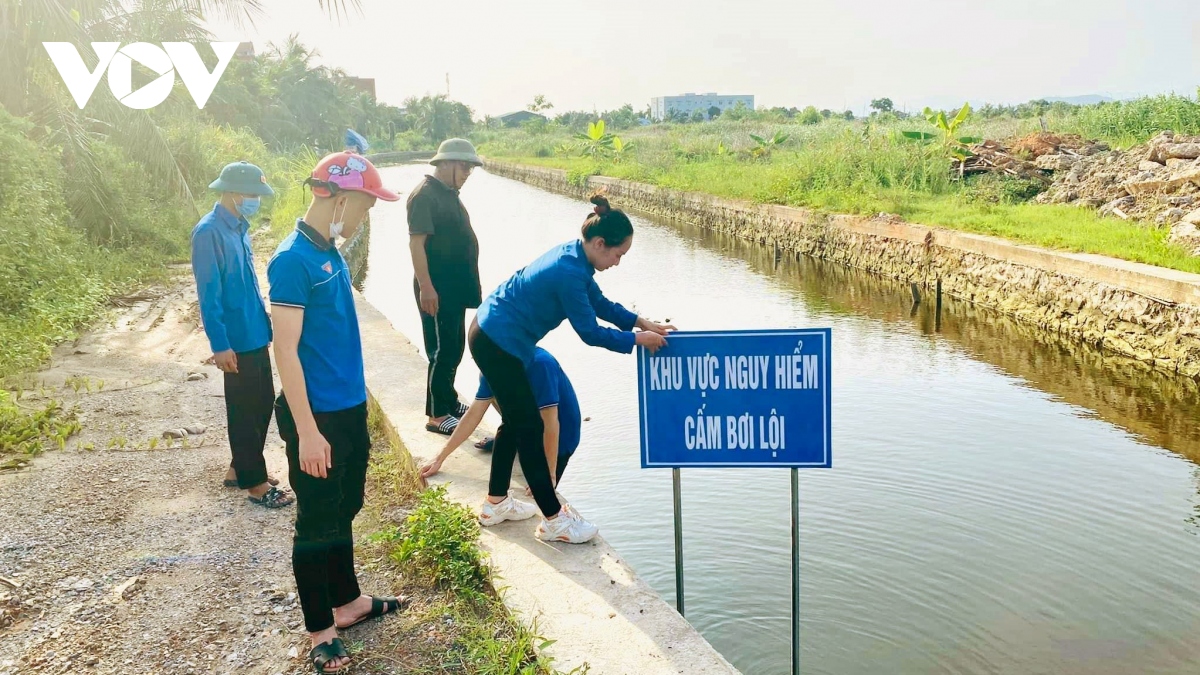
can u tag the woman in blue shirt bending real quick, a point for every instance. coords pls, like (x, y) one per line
(507, 327)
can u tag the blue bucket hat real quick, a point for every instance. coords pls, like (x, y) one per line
(242, 178)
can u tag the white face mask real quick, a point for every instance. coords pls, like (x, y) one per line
(336, 227)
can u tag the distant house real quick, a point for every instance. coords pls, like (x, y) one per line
(245, 52)
(363, 84)
(516, 119)
(662, 107)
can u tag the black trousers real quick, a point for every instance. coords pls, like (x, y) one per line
(520, 432)
(323, 547)
(445, 341)
(249, 398)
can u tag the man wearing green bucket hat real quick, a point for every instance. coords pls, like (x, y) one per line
(445, 255)
(238, 329)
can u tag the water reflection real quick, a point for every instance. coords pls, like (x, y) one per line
(1158, 408)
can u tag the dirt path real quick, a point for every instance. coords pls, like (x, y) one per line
(137, 560)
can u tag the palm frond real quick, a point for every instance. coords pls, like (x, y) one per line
(239, 12)
(338, 8)
(75, 133)
(143, 140)
(156, 21)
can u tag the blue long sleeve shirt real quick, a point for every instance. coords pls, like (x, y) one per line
(231, 305)
(559, 285)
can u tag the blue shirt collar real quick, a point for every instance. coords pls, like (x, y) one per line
(230, 219)
(312, 235)
(587, 264)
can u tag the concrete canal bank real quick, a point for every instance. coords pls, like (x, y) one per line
(1146, 313)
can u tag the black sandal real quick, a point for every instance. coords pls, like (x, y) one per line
(273, 499)
(233, 483)
(326, 652)
(446, 428)
(487, 445)
(460, 409)
(379, 607)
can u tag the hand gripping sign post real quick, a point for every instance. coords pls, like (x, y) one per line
(754, 398)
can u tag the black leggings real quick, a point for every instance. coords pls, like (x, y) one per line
(520, 432)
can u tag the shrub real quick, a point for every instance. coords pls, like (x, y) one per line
(1001, 189)
(440, 537)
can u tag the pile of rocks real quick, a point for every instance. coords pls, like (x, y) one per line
(1032, 156)
(1159, 181)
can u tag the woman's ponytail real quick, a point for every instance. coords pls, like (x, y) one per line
(612, 225)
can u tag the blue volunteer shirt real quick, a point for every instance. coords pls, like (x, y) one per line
(534, 301)
(551, 387)
(308, 272)
(231, 304)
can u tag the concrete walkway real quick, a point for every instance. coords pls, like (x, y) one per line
(584, 597)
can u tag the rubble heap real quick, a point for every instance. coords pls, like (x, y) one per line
(1032, 156)
(1159, 181)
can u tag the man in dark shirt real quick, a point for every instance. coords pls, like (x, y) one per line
(445, 257)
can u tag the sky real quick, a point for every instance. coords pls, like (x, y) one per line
(837, 55)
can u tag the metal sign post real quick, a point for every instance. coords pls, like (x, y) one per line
(678, 542)
(738, 399)
(795, 571)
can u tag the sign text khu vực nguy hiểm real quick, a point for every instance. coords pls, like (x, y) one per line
(737, 398)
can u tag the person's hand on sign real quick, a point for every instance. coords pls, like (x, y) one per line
(653, 327)
(649, 340)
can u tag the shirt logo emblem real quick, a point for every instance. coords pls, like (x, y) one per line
(328, 267)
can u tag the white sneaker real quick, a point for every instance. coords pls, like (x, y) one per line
(569, 527)
(509, 509)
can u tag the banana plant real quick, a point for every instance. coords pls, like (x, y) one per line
(763, 146)
(620, 148)
(955, 146)
(596, 142)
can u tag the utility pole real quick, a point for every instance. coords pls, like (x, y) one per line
(447, 85)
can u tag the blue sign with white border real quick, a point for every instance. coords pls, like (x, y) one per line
(749, 398)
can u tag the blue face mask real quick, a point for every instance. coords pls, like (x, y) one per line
(249, 206)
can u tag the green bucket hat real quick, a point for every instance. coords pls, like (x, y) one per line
(456, 150)
(242, 178)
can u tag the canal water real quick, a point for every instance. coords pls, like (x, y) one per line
(1000, 502)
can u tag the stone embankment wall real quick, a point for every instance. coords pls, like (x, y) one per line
(1138, 311)
(399, 157)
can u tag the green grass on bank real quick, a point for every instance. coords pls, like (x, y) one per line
(62, 264)
(867, 166)
(970, 209)
(427, 547)
(984, 205)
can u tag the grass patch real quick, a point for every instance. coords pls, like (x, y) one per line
(26, 433)
(427, 548)
(970, 208)
(867, 167)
